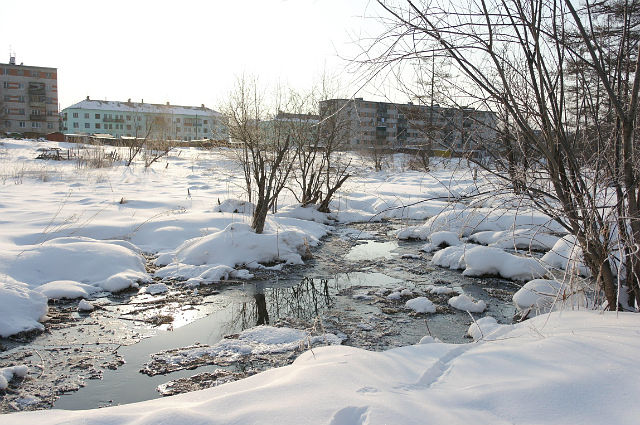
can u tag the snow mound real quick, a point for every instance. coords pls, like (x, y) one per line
(7, 374)
(212, 258)
(236, 206)
(84, 305)
(452, 257)
(465, 303)
(421, 305)
(566, 254)
(21, 307)
(69, 289)
(108, 265)
(482, 328)
(441, 239)
(541, 296)
(482, 260)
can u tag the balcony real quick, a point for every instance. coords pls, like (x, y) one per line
(38, 117)
(110, 119)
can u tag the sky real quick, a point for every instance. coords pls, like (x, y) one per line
(187, 52)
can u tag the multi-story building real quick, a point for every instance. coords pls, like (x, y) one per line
(368, 124)
(145, 120)
(28, 99)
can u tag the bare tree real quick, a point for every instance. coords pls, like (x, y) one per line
(266, 151)
(320, 169)
(521, 57)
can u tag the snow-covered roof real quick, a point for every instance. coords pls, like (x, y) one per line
(117, 106)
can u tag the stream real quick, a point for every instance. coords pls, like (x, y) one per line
(96, 359)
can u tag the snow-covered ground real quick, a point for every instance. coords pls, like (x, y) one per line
(71, 231)
(570, 367)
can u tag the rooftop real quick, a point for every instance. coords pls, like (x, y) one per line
(115, 105)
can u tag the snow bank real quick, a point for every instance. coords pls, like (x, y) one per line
(20, 307)
(482, 260)
(7, 374)
(421, 305)
(553, 370)
(466, 303)
(527, 239)
(467, 221)
(108, 265)
(566, 254)
(541, 296)
(213, 257)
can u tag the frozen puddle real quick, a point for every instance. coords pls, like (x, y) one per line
(372, 250)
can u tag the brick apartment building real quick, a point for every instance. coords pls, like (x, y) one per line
(28, 99)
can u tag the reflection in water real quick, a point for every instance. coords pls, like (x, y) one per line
(261, 308)
(304, 300)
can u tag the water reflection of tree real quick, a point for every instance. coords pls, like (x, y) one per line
(304, 301)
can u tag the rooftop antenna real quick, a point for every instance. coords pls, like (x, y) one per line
(12, 56)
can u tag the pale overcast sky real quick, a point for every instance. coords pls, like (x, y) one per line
(186, 52)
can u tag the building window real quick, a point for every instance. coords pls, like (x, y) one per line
(206, 130)
(75, 115)
(7, 124)
(87, 125)
(206, 122)
(177, 129)
(177, 119)
(97, 125)
(128, 117)
(35, 125)
(22, 124)
(5, 85)
(50, 125)
(76, 125)
(98, 117)
(86, 115)
(128, 126)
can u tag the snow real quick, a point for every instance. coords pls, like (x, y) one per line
(136, 107)
(236, 206)
(69, 289)
(466, 303)
(484, 328)
(482, 260)
(421, 305)
(21, 307)
(528, 238)
(542, 295)
(566, 254)
(84, 305)
(556, 369)
(213, 257)
(256, 341)
(7, 374)
(154, 289)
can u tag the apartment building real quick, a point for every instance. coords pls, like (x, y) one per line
(384, 124)
(28, 99)
(147, 120)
